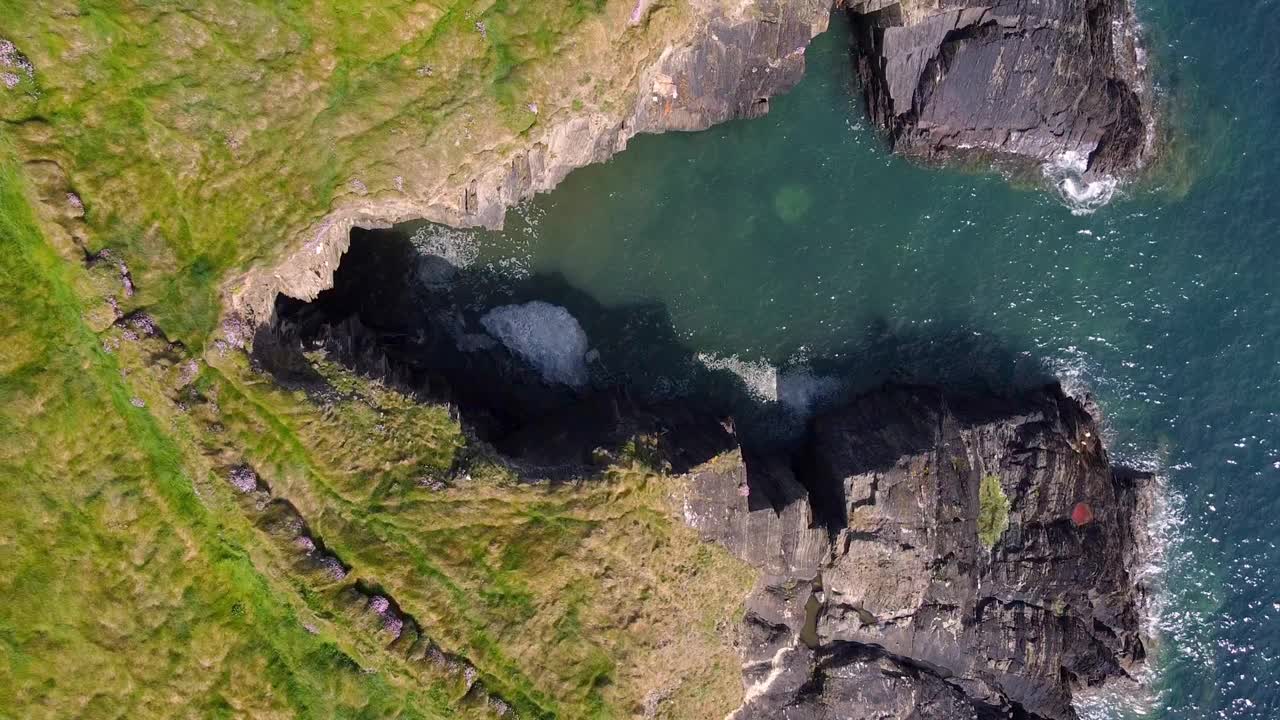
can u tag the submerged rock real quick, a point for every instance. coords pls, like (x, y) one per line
(545, 335)
(878, 597)
(1059, 83)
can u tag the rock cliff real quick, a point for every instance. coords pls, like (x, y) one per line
(1015, 80)
(929, 555)
(730, 60)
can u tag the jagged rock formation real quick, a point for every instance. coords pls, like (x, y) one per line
(878, 597)
(1020, 80)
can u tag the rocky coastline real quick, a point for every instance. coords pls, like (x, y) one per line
(731, 59)
(1060, 87)
(922, 552)
(892, 588)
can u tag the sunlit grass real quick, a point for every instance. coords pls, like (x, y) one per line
(123, 593)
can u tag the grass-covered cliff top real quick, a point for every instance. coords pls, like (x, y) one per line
(203, 137)
(190, 141)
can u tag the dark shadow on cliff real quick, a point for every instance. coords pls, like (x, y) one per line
(414, 321)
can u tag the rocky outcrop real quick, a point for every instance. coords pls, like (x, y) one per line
(1039, 81)
(880, 596)
(734, 57)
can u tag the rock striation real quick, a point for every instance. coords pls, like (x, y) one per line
(878, 596)
(1039, 81)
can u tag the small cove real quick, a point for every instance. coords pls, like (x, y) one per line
(794, 249)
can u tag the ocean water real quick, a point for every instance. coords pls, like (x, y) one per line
(782, 246)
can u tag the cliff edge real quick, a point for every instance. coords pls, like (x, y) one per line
(930, 555)
(1017, 81)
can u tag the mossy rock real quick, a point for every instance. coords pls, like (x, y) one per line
(993, 511)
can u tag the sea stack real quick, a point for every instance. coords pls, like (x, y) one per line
(1021, 83)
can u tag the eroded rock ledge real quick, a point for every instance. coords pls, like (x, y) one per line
(1008, 80)
(879, 597)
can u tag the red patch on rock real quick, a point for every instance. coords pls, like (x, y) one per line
(1082, 514)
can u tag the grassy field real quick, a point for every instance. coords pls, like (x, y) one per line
(189, 141)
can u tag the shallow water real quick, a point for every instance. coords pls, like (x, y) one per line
(797, 241)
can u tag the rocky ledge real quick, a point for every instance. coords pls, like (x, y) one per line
(932, 556)
(1045, 81)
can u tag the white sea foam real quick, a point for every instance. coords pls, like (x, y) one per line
(445, 250)
(546, 336)
(1066, 173)
(798, 388)
(758, 377)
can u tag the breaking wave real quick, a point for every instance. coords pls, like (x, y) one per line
(1066, 173)
(546, 336)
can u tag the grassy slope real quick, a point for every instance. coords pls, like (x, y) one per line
(204, 136)
(200, 136)
(142, 584)
(139, 584)
(124, 594)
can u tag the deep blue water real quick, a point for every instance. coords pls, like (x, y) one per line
(797, 237)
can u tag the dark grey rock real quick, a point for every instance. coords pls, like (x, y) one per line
(740, 60)
(1027, 81)
(878, 598)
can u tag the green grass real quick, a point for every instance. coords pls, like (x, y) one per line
(204, 140)
(124, 593)
(564, 597)
(993, 511)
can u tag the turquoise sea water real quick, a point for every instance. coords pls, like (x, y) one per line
(797, 239)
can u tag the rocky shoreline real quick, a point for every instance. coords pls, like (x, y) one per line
(933, 555)
(1059, 86)
(920, 550)
(923, 554)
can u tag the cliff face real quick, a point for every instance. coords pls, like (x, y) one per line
(932, 556)
(729, 59)
(1020, 80)
(1017, 82)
